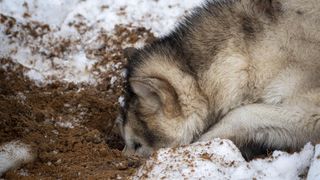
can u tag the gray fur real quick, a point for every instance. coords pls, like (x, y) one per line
(246, 70)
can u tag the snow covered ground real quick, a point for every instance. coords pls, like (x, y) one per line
(75, 27)
(60, 51)
(159, 15)
(314, 172)
(220, 159)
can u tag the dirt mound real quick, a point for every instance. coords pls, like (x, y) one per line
(70, 127)
(66, 126)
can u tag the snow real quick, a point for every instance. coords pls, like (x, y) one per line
(113, 80)
(314, 172)
(65, 124)
(14, 154)
(51, 12)
(160, 16)
(221, 159)
(81, 22)
(121, 101)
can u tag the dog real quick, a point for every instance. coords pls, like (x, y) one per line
(244, 70)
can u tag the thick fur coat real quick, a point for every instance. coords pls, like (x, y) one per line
(245, 70)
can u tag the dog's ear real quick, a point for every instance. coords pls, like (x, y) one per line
(156, 94)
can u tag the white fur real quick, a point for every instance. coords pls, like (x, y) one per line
(275, 126)
(266, 89)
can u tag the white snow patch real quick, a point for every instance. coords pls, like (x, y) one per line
(113, 80)
(35, 75)
(124, 73)
(220, 159)
(314, 172)
(51, 12)
(13, 154)
(121, 101)
(81, 66)
(66, 124)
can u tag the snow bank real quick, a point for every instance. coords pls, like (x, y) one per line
(14, 154)
(220, 159)
(314, 172)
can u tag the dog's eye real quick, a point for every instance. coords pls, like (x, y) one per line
(136, 145)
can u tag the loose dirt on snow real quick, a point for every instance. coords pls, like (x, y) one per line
(71, 127)
(65, 147)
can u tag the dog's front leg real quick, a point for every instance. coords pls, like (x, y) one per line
(276, 127)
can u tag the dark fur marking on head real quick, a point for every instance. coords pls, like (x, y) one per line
(299, 12)
(153, 137)
(250, 27)
(144, 131)
(206, 40)
(190, 54)
(272, 9)
(128, 96)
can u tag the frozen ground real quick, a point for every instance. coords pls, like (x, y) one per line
(60, 49)
(74, 28)
(220, 159)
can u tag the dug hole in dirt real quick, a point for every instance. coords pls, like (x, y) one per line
(90, 146)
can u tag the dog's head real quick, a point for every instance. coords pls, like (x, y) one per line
(159, 110)
(151, 116)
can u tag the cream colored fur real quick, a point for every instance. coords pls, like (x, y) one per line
(265, 91)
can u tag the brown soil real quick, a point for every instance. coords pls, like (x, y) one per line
(88, 150)
(91, 148)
